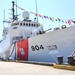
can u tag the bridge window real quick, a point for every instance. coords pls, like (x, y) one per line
(21, 24)
(29, 24)
(26, 24)
(32, 24)
(37, 25)
(18, 23)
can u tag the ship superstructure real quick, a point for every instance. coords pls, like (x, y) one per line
(19, 30)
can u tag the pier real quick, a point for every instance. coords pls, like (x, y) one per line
(16, 68)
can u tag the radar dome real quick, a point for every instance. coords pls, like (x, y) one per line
(25, 15)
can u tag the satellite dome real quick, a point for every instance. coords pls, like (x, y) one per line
(25, 15)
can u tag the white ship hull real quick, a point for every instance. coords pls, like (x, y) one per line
(27, 40)
(47, 47)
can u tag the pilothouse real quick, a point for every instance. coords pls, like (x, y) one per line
(23, 29)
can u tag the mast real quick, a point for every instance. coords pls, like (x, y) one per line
(36, 9)
(16, 10)
(13, 10)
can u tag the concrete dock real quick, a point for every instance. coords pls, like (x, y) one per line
(13, 68)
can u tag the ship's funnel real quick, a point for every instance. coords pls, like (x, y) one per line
(25, 15)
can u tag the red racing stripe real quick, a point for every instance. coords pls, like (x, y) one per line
(22, 50)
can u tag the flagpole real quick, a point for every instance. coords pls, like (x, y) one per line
(36, 9)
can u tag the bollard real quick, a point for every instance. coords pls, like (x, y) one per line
(71, 61)
(60, 59)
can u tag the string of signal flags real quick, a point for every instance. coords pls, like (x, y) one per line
(69, 21)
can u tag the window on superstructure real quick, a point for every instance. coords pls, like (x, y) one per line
(20, 24)
(37, 25)
(26, 24)
(32, 25)
(17, 23)
(29, 24)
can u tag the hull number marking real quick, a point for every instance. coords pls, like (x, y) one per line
(36, 47)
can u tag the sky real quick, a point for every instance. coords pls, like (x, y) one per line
(63, 9)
